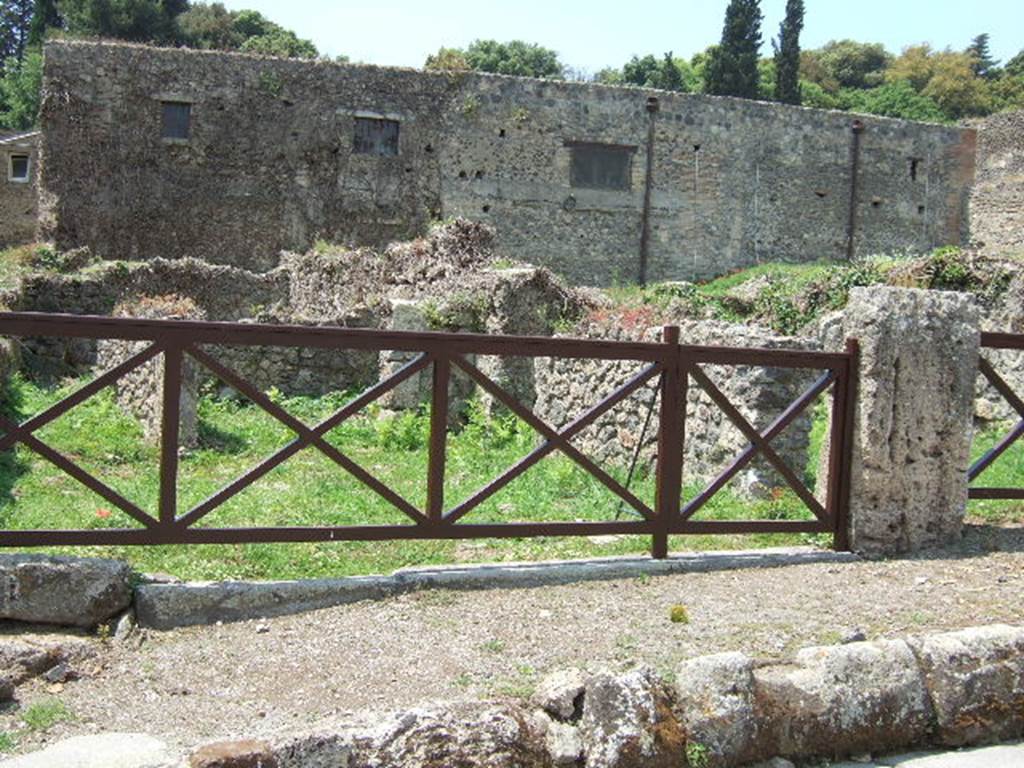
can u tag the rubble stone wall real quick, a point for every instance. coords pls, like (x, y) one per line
(997, 199)
(270, 165)
(566, 388)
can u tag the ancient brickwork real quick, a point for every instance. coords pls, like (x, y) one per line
(277, 155)
(19, 172)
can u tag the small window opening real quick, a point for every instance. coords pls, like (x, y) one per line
(820, 193)
(177, 120)
(601, 166)
(462, 174)
(696, 147)
(374, 136)
(501, 133)
(876, 203)
(478, 175)
(486, 209)
(429, 148)
(920, 210)
(915, 164)
(19, 170)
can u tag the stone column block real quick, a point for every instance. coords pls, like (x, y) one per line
(913, 421)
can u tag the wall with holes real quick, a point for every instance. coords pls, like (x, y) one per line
(280, 153)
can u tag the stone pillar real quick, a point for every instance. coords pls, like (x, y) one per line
(416, 390)
(141, 391)
(913, 423)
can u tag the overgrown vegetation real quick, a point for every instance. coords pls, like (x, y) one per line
(789, 297)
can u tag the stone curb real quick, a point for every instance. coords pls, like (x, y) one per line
(166, 606)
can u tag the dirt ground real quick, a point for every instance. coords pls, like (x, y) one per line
(198, 684)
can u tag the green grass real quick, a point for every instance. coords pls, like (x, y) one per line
(1006, 472)
(309, 490)
(7, 741)
(46, 713)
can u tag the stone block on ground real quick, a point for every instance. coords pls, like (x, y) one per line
(716, 706)
(628, 722)
(72, 591)
(976, 680)
(234, 754)
(560, 694)
(25, 656)
(843, 700)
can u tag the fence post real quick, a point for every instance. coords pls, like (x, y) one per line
(840, 442)
(438, 437)
(169, 434)
(671, 432)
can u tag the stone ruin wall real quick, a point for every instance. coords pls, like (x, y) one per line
(997, 199)
(567, 388)
(270, 166)
(18, 204)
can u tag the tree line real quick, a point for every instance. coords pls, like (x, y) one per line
(25, 24)
(919, 83)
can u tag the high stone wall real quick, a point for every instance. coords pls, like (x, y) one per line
(997, 200)
(270, 165)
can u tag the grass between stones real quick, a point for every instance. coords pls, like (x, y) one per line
(309, 489)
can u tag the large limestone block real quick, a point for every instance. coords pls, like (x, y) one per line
(74, 591)
(844, 700)
(912, 433)
(976, 680)
(484, 735)
(716, 705)
(105, 750)
(628, 723)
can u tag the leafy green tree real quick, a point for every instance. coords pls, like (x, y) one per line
(15, 28)
(850, 64)
(214, 27)
(20, 89)
(1007, 92)
(813, 95)
(915, 66)
(1015, 66)
(787, 54)
(280, 42)
(447, 59)
(210, 27)
(45, 16)
(514, 58)
(984, 65)
(143, 21)
(732, 67)
(893, 99)
(955, 88)
(665, 73)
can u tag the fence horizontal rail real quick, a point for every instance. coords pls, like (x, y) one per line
(674, 367)
(1000, 341)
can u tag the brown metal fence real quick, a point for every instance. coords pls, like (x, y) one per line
(679, 367)
(998, 341)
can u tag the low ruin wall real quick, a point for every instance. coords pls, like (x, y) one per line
(566, 388)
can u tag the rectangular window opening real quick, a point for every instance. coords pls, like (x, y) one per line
(177, 119)
(19, 168)
(375, 136)
(601, 166)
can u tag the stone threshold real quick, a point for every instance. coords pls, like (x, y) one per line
(166, 605)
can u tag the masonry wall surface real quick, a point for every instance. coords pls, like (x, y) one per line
(270, 165)
(18, 199)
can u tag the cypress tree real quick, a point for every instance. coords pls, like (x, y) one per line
(732, 70)
(787, 54)
(984, 65)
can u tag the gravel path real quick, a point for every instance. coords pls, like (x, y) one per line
(196, 684)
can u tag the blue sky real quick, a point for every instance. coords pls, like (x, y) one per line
(591, 35)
